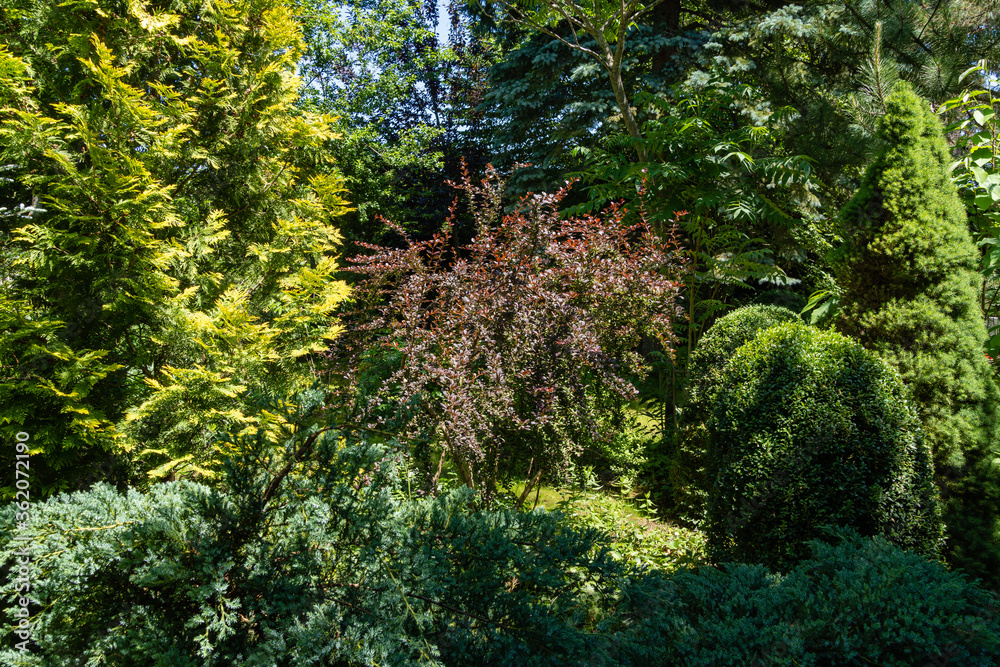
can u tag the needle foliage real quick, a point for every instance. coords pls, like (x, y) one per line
(910, 273)
(180, 247)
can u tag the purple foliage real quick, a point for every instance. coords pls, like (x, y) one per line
(518, 348)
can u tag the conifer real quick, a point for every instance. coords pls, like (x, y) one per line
(182, 251)
(909, 269)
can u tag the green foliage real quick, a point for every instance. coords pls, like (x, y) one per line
(313, 554)
(781, 297)
(742, 206)
(723, 184)
(599, 29)
(879, 75)
(630, 529)
(320, 554)
(686, 476)
(974, 123)
(622, 457)
(722, 178)
(406, 100)
(855, 601)
(909, 272)
(808, 428)
(834, 62)
(717, 347)
(182, 246)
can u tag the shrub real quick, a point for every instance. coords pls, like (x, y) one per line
(516, 350)
(327, 562)
(730, 333)
(856, 601)
(809, 428)
(909, 270)
(687, 479)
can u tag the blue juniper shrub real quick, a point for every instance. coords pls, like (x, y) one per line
(853, 601)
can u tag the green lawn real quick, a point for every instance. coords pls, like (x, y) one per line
(636, 536)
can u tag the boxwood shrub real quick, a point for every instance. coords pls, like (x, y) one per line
(686, 471)
(809, 428)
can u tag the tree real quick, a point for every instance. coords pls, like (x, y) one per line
(599, 30)
(406, 99)
(552, 91)
(512, 354)
(834, 62)
(182, 248)
(909, 271)
(977, 141)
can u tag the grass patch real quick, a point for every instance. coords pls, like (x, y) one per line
(637, 535)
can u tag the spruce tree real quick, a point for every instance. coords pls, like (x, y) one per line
(909, 269)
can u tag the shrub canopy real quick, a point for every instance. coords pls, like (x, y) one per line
(514, 353)
(688, 482)
(809, 428)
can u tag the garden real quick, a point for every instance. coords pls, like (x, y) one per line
(503, 333)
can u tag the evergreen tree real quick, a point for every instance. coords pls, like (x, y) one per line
(182, 247)
(909, 270)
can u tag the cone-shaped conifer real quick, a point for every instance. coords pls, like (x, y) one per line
(909, 269)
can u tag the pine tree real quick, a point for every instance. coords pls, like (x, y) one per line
(909, 270)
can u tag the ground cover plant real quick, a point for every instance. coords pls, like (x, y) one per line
(852, 601)
(321, 554)
(331, 563)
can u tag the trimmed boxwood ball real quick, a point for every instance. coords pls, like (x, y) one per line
(727, 335)
(687, 464)
(809, 429)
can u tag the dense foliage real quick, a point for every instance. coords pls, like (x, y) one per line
(808, 429)
(688, 480)
(909, 271)
(977, 138)
(181, 246)
(249, 420)
(514, 352)
(332, 562)
(405, 87)
(853, 601)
